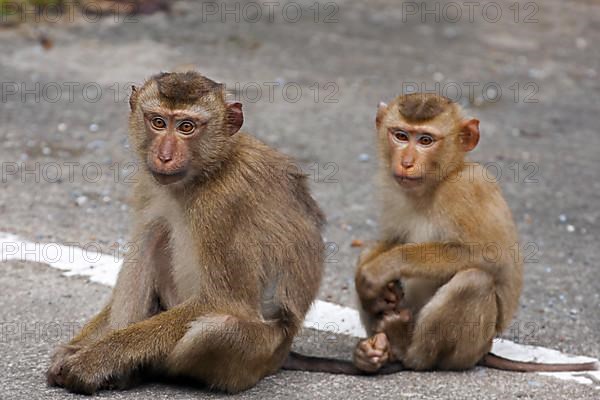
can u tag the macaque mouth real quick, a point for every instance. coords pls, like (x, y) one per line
(169, 178)
(409, 181)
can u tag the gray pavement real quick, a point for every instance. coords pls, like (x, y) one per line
(368, 55)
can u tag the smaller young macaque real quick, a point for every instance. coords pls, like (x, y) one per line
(445, 276)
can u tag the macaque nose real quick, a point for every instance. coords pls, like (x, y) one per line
(408, 163)
(165, 157)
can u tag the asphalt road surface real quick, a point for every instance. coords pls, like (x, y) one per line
(309, 83)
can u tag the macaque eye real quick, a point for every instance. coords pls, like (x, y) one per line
(400, 135)
(186, 127)
(158, 123)
(426, 140)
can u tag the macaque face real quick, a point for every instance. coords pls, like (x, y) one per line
(420, 152)
(179, 141)
(413, 153)
(181, 126)
(171, 133)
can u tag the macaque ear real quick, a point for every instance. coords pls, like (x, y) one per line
(469, 135)
(234, 117)
(133, 97)
(381, 111)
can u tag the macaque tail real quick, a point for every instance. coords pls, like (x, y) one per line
(493, 361)
(300, 362)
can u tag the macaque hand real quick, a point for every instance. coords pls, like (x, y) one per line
(377, 295)
(54, 375)
(89, 370)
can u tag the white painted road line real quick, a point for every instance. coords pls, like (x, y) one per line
(102, 268)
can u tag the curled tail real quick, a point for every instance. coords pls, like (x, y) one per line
(300, 362)
(497, 362)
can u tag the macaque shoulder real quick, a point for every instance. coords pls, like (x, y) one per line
(273, 181)
(474, 199)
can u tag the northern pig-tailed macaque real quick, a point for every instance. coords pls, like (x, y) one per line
(227, 255)
(445, 276)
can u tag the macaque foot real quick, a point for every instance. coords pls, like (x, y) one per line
(401, 316)
(372, 353)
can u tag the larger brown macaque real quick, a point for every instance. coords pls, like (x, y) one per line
(227, 254)
(446, 275)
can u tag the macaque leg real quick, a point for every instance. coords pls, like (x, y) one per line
(184, 342)
(454, 330)
(395, 321)
(398, 328)
(229, 353)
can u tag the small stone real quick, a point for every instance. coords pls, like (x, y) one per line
(46, 151)
(61, 127)
(591, 73)
(491, 93)
(106, 199)
(363, 157)
(570, 228)
(96, 144)
(450, 32)
(537, 73)
(356, 243)
(562, 218)
(581, 43)
(81, 200)
(94, 127)
(573, 311)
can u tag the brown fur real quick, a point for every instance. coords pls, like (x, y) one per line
(185, 87)
(432, 240)
(225, 264)
(418, 107)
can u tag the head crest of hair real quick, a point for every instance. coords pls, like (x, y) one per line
(422, 106)
(184, 86)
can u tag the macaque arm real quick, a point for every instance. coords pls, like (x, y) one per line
(136, 294)
(373, 252)
(124, 349)
(93, 330)
(434, 261)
